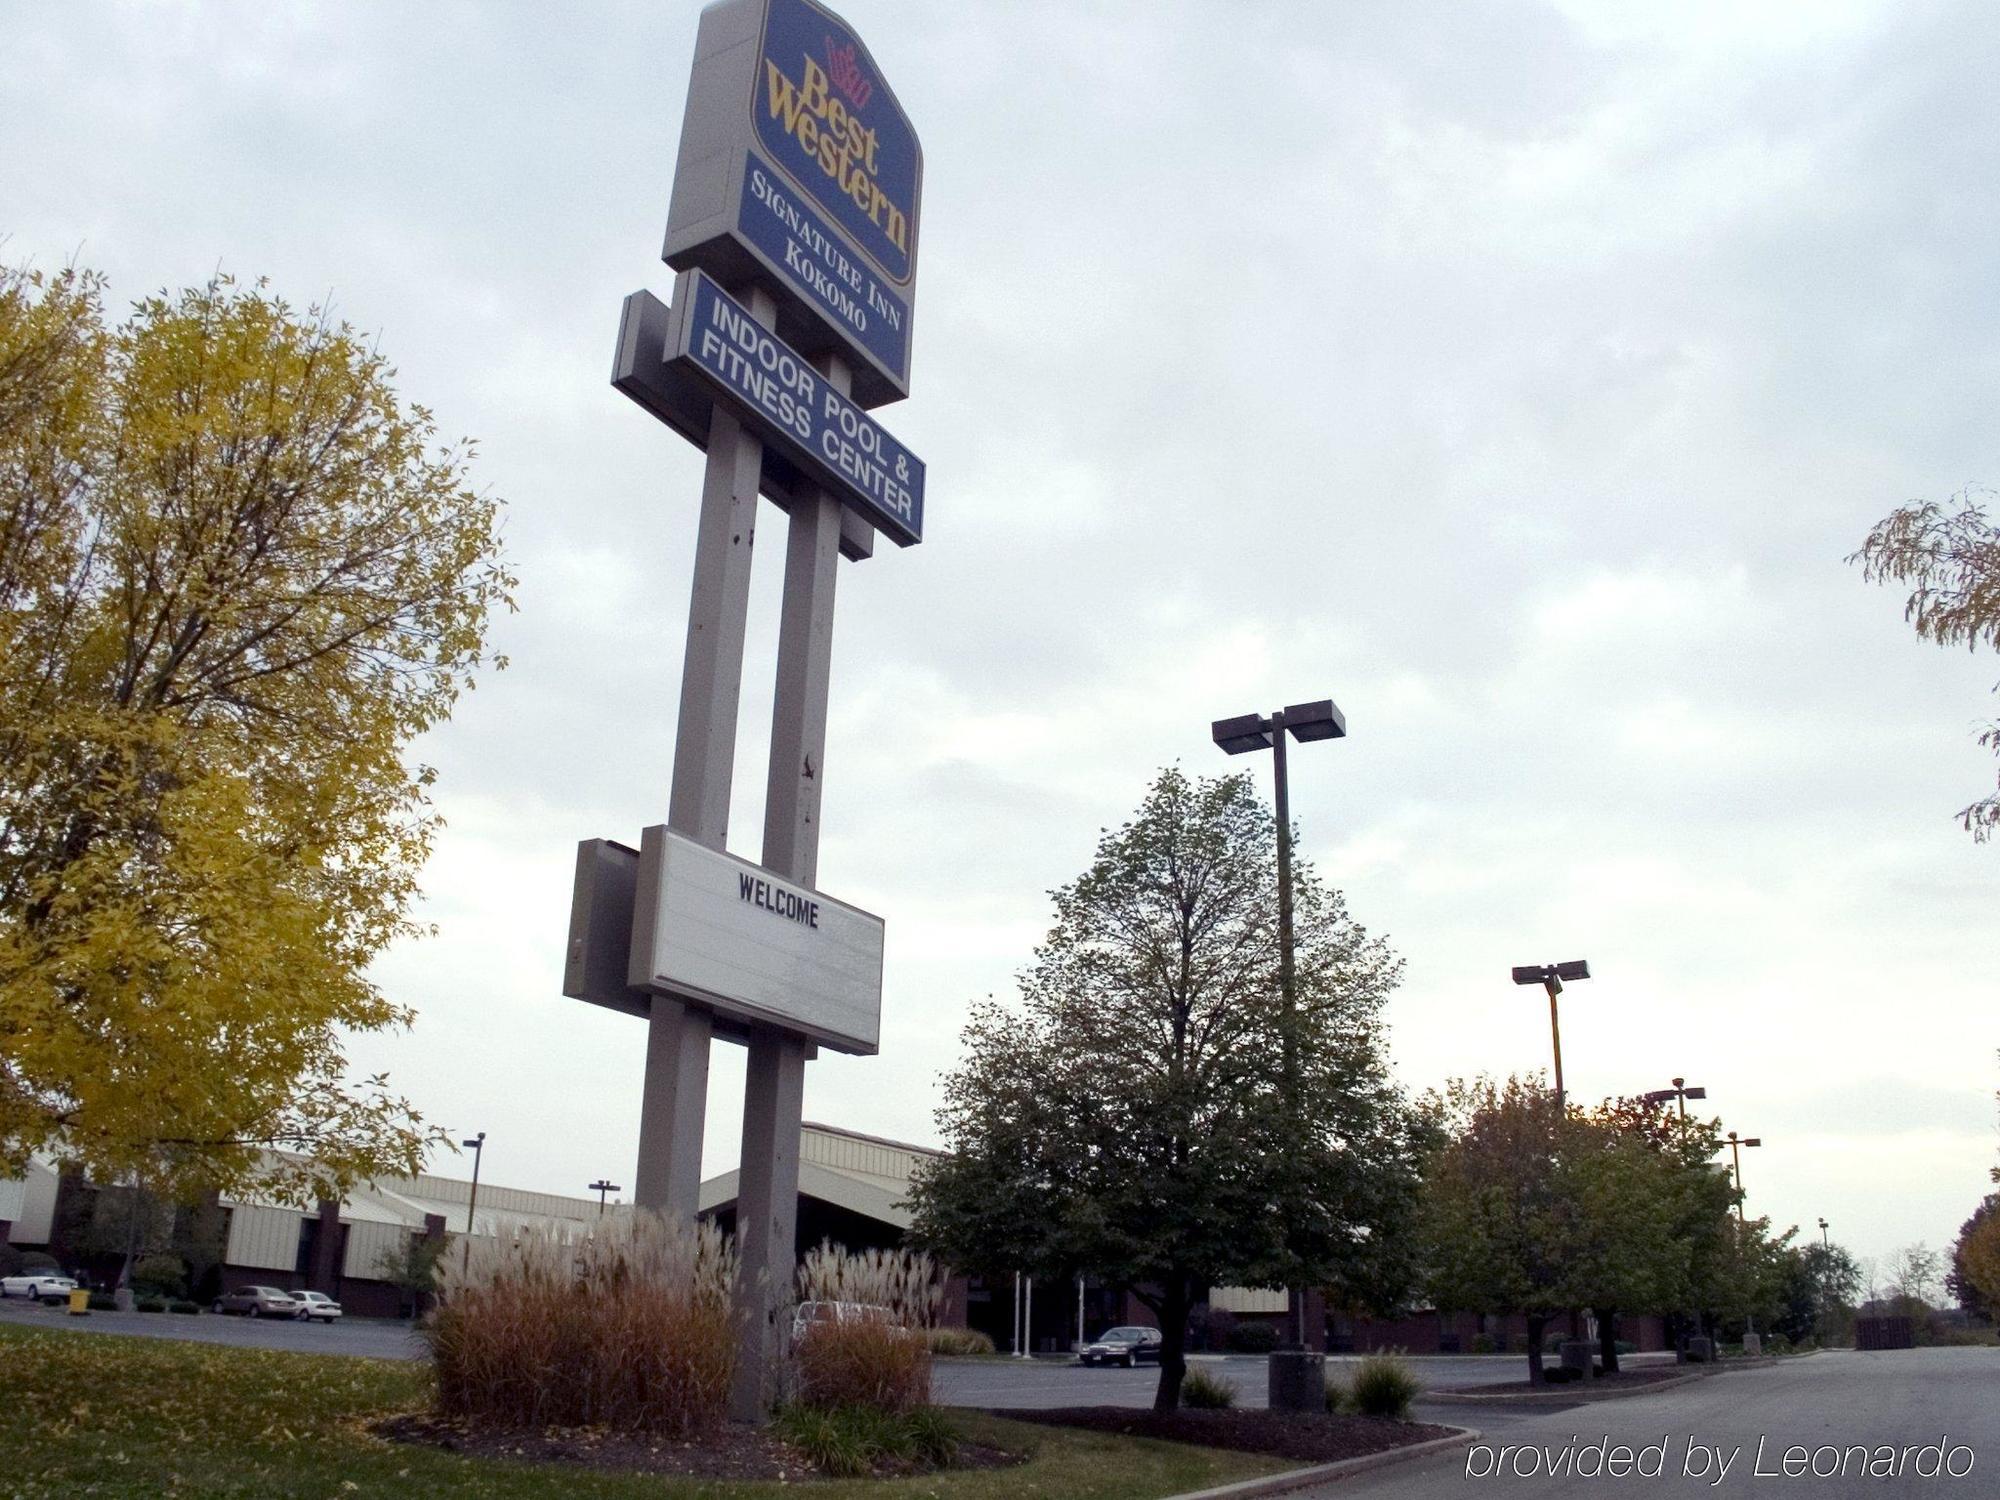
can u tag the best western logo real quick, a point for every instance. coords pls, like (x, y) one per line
(833, 137)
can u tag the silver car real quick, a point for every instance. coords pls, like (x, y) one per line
(259, 1302)
(315, 1305)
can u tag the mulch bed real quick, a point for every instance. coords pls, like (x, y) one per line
(733, 1451)
(1580, 1390)
(1304, 1436)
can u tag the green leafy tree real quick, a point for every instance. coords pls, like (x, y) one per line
(1951, 557)
(1705, 1280)
(1126, 1116)
(238, 575)
(1534, 1210)
(1974, 1277)
(412, 1268)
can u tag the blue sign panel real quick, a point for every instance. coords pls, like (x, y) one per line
(829, 123)
(798, 242)
(793, 406)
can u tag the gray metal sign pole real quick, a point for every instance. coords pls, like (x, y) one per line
(767, 1197)
(674, 1105)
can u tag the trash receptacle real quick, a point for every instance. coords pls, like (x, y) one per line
(79, 1300)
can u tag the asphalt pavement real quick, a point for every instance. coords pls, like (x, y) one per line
(1830, 1426)
(1010, 1384)
(376, 1338)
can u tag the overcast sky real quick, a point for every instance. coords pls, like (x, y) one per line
(1516, 375)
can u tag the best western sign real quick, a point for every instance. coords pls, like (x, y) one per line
(798, 164)
(733, 936)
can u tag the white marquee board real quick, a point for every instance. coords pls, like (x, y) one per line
(725, 933)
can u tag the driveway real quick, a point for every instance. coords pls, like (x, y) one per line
(1887, 1418)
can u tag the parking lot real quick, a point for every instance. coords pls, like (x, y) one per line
(996, 1384)
(1001, 1384)
(375, 1337)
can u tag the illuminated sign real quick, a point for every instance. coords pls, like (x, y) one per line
(725, 933)
(795, 408)
(798, 167)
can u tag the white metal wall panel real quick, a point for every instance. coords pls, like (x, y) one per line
(265, 1239)
(367, 1243)
(13, 1197)
(1246, 1299)
(37, 1218)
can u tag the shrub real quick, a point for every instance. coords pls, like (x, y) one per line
(1384, 1386)
(1337, 1399)
(846, 1442)
(876, 1353)
(959, 1341)
(35, 1262)
(150, 1304)
(182, 1306)
(159, 1276)
(626, 1327)
(1253, 1338)
(103, 1302)
(1485, 1343)
(1205, 1392)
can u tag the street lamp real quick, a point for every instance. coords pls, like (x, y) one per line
(477, 1147)
(1550, 977)
(1736, 1155)
(601, 1187)
(1679, 1091)
(1822, 1236)
(1239, 736)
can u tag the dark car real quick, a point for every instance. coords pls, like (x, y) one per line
(1122, 1346)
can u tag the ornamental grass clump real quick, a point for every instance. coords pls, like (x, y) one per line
(1384, 1386)
(863, 1329)
(626, 1327)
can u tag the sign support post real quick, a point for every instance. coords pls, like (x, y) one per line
(767, 1185)
(674, 1104)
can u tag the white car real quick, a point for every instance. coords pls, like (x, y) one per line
(39, 1286)
(315, 1305)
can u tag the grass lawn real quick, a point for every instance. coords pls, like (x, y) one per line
(105, 1415)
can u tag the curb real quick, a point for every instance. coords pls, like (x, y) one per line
(1298, 1479)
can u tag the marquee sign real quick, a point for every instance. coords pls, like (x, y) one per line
(728, 934)
(795, 408)
(798, 165)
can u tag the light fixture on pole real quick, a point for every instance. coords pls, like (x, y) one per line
(1679, 1091)
(477, 1146)
(1736, 1142)
(1822, 1236)
(1550, 977)
(1239, 736)
(600, 1187)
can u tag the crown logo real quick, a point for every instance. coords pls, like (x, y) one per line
(845, 71)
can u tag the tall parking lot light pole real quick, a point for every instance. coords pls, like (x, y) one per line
(602, 1186)
(1681, 1092)
(1736, 1142)
(477, 1146)
(1239, 736)
(1822, 1236)
(1550, 977)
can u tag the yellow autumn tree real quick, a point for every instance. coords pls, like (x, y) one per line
(238, 574)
